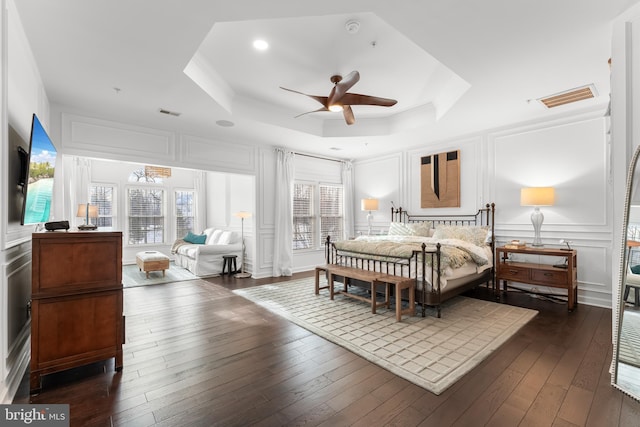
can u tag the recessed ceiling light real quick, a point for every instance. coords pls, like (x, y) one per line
(260, 44)
(225, 123)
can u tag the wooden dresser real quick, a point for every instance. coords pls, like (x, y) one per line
(536, 273)
(76, 301)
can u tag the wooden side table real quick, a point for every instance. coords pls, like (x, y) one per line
(540, 274)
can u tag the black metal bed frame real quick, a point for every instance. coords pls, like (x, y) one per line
(409, 266)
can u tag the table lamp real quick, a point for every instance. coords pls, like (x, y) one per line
(537, 196)
(369, 205)
(87, 211)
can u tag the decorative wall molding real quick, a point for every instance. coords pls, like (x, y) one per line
(87, 136)
(221, 156)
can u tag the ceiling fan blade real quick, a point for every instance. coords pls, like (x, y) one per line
(321, 99)
(347, 112)
(314, 111)
(356, 99)
(341, 88)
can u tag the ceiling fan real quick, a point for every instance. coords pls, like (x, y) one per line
(340, 100)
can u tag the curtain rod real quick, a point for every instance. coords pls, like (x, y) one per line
(318, 157)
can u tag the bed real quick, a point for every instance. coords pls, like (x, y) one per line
(446, 255)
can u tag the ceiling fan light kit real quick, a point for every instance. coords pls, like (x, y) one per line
(340, 99)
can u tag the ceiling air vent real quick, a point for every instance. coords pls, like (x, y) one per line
(567, 97)
(169, 113)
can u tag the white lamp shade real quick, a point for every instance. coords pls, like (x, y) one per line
(82, 211)
(242, 214)
(369, 204)
(537, 196)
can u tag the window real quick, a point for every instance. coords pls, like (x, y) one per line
(331, 212)
(185, 212)
(103, 196)
(303, 219)
(317, 213)
(145, 215)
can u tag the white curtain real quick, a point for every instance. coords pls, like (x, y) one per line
(79, 185)
(349, 191)
(283, 239)
(199, 184)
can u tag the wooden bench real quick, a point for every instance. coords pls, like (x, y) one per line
(400, 284)
(348, 273)
(319, 269)
(374, 279)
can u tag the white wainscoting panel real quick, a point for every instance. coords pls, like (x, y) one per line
(217, 155)
(570, 157)
(88, 136)
(380, 178)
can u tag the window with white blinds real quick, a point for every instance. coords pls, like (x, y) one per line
(103, 196)
(145, 215)
(303, 218)
(331, 213)
(185, 212)
(317, 212)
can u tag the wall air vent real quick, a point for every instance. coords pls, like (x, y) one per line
(567, 97)
(169, 113)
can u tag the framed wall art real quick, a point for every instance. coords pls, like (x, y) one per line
(440, 180)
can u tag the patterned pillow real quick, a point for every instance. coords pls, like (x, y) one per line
(423, 229)
(469, 233)
(399, 229)
(410, 229)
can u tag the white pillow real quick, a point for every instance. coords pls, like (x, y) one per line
(399, 229)
(214, 237)
(227, 238)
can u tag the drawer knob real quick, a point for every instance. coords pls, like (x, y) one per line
(548, 274)
(513, 271)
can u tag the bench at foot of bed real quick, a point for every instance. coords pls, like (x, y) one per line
(374, 279)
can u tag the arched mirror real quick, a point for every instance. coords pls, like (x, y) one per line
(626, 366)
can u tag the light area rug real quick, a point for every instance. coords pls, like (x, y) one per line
(430, 352)
(132, 276)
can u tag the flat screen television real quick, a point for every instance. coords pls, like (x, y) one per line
(38, 186)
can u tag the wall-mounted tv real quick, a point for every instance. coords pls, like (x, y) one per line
(39, 184)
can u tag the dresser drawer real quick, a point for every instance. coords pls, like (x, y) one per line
(512, 272)
(550, 277)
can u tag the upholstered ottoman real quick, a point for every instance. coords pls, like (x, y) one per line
(152, 261)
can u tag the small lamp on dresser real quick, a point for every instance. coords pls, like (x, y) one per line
(536, 197)
(87, 211)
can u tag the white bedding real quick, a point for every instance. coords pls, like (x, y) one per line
(480, 259)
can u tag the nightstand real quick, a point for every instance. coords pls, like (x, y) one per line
(539, 274)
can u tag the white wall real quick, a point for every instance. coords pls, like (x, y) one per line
(22, 95)
(570, 155)
(117, 174)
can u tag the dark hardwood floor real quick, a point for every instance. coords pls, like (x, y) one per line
(197, 354)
